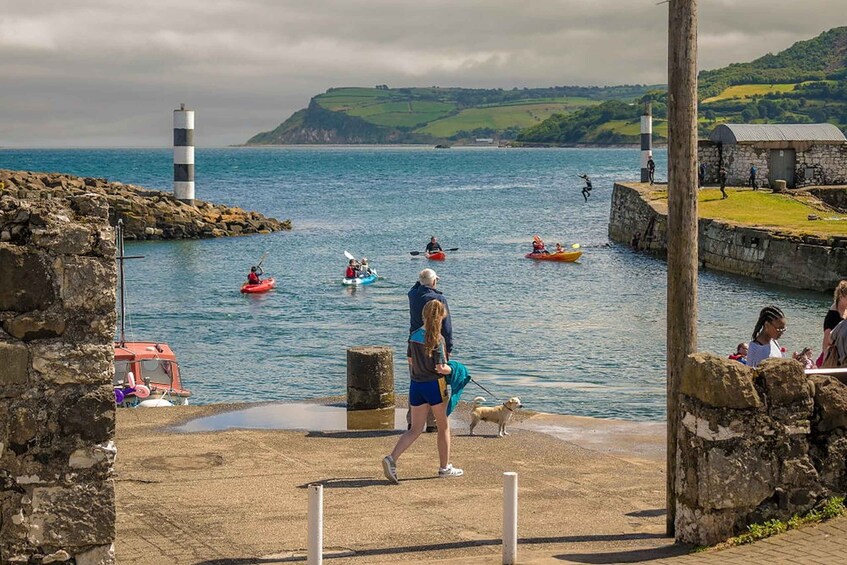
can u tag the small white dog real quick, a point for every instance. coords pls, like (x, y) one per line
(495, 414)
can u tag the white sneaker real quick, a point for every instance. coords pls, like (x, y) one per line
(450, 471)
(389, 468)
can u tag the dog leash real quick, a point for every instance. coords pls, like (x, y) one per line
(486, 390)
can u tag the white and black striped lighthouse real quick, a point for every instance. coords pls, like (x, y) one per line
(646, 140)
(184, 154)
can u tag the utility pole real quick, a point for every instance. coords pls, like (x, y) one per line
(682, 217)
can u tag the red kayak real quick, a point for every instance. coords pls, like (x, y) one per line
(436, 256)
(263, 286)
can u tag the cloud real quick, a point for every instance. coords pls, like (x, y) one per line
(96, 72)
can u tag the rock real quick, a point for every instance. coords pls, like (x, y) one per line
(830, 402)
(35, 325)
(65, 363)
(91, 416)
(87, 283)
(785, 382)
(25, 282)
(719, 382)
(14, 361)
(100, 555)
(84, 513)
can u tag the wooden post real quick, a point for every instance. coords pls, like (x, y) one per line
(682, 216)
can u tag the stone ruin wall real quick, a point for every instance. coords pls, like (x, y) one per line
(808, 261)
(755, 444)
(57, 408)
(816, 164)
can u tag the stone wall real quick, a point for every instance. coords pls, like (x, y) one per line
(147, 214)
(816, 164)
(57, 406)
(755, 444)
(808, 261)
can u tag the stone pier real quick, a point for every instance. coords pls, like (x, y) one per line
(57, 409)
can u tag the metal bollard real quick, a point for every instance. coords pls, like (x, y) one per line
(510, 518)
(314, 554)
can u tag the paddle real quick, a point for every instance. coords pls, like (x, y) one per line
(349, 255)
(262, 258)
(422, 252)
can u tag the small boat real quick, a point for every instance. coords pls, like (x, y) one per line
(561, 256)
(436, 255)
(358, 281)
(264, 286)
(146, 372)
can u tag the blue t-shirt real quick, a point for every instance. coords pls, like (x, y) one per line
(756, 352)
(423, 361)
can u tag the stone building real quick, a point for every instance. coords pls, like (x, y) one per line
(800, 154)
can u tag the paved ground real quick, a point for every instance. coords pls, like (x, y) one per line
(238, 497)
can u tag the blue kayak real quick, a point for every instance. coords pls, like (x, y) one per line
(370, 279)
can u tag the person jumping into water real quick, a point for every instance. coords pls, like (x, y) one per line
(586, 190)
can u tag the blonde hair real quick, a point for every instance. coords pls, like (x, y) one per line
(434, 313)
(840, 292)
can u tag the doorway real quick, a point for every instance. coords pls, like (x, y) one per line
(781, 166)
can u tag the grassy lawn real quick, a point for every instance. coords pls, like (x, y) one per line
(633, 127)
(749, 90)
(497, 117)
(763, 208)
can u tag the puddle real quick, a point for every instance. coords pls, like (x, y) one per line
(297, 416)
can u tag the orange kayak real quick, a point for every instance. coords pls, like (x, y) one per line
(263, 286)
(562, 256)
(436, 256)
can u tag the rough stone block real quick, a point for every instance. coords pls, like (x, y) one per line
(35, 325)
(89, 416)
(719, 382)
(14, 360)
(25, 281)
(84, 513)
(65, 363)
(831, 403)
(785, 382)
(741, 479)
(87, 283)
(699, 527)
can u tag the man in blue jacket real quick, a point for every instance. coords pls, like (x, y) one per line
(424, 291)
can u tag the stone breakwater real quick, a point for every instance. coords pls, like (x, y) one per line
(799, 261)
(147, 214)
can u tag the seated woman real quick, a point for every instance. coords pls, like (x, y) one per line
(364, 268)
(559, 248)
(538, 245)
(740, 354)
(255, 273)
(770, 325)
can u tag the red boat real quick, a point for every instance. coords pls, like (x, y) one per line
(436, 256)
(146, 373)
(264, 286)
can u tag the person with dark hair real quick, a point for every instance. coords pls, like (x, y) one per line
(752, 179)
(433, 245)
(701, 174)
(836, 313)
(722, 179)
(769, 327)
(586, 190)
(651, 168)
(255, 273)
(740, 354)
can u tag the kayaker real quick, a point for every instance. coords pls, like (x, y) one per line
(433, 245)
(255, 273)
(352, 271)
(769, 327)
(428, 367)
(538, 245)
(559, 248)
(364, 268)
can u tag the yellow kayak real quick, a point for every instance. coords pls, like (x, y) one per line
(562, 256)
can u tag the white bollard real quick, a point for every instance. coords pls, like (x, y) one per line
(314, 554)
(510, 518)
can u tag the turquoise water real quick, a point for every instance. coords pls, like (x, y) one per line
(585, 338)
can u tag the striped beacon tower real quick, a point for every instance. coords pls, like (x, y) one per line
(184, 155)
(646, 140)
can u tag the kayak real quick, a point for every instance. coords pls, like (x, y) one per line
(436, 255)
(562, 256)
(263, 286)
(360, 280)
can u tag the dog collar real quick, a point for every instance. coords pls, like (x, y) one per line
(507, 408)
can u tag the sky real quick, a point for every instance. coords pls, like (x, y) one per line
(108, 73)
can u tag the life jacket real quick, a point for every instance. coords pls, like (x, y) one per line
(253, 278)
(350, 273)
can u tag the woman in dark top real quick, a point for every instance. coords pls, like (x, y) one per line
(836, 313)
(427, 388)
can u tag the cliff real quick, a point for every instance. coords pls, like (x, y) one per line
(147, 214)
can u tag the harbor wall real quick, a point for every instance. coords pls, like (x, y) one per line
(147, 214)
(755, 445)
(57, 405)
(810, 262)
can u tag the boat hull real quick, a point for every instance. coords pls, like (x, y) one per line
(436, 256)
(263, 286)
(561, 257)
(359, 281)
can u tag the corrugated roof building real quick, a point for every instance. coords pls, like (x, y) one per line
(800, 154)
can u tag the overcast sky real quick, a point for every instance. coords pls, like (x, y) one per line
(108, 73)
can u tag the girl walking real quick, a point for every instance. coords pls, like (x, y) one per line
(427, 389)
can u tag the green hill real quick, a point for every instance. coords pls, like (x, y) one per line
(432, 115)
(803, 84)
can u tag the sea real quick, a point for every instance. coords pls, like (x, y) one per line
(584, 338)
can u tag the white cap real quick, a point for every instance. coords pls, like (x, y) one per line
(427, 277)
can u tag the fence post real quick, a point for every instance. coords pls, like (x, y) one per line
(314, 555)
(510, 518)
